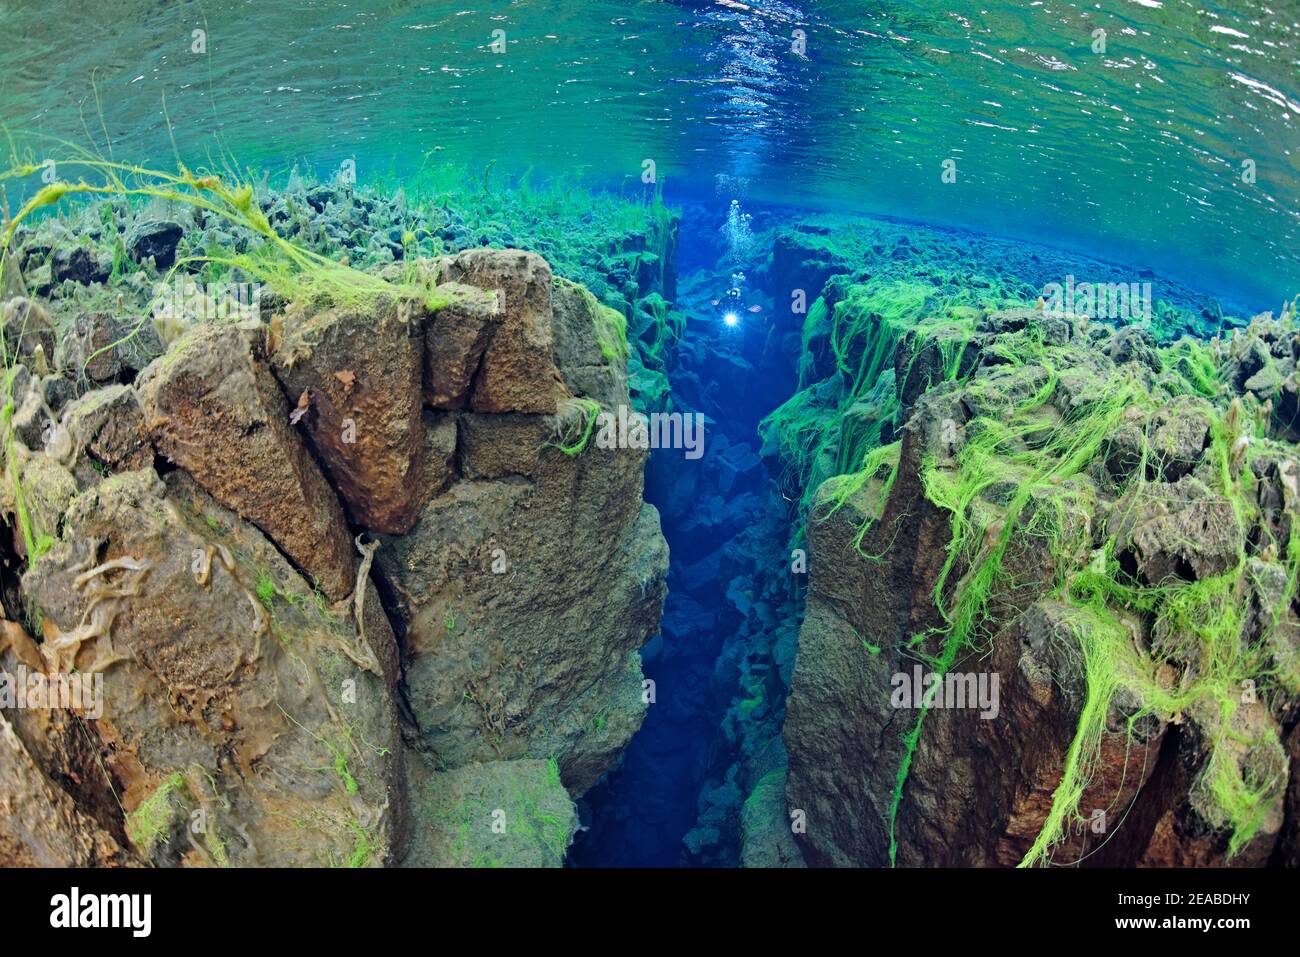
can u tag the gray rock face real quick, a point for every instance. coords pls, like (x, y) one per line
(524, 592)
(539, 658)
(227, 689)
(496, 814)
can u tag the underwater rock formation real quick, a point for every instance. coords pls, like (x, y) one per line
(1110, 531)
(525, 591)
(352, 575)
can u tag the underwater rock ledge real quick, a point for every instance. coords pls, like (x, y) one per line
(350, 585)
(1109, 527)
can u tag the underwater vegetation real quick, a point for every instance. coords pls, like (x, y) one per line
(1117, 499)
(1129, 499)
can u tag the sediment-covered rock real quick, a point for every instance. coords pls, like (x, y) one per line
(524, 592)
(107, 426)
(231, 696)
(494, 814)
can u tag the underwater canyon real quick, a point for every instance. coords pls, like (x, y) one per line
(521, 503)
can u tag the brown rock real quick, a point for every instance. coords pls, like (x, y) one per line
(109, 425)
(494, 446)
(56, 804)
(228, 686)
(455, 339)
(88, 348)
(212, 406)
(518, 373)
(361, 371)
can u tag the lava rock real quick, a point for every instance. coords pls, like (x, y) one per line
(456, 337)
(80, 264)
(213, 407)
(156, 239)
(360, 370)
(518, 373)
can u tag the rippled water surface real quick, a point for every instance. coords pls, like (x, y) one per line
(1135, 153)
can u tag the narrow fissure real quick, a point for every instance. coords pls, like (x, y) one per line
(718, 691)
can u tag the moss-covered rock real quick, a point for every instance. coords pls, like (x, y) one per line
(493, 814)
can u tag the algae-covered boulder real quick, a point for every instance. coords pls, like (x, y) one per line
(245, 721)
(213, 407)
(590, 341)
(766, 838)
(494, 814)
(1178, 530)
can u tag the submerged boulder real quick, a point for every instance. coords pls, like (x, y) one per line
(29, 331)
(455, 339)
(494, 814)
(518, 371)
(108, 426)
(80, 264)
(356, 373)
(156, 240)
(213, 407)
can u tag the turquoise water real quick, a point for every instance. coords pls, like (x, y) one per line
(1145, 140)
(1133, 154)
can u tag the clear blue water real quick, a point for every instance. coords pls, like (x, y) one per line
(1133, 154)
